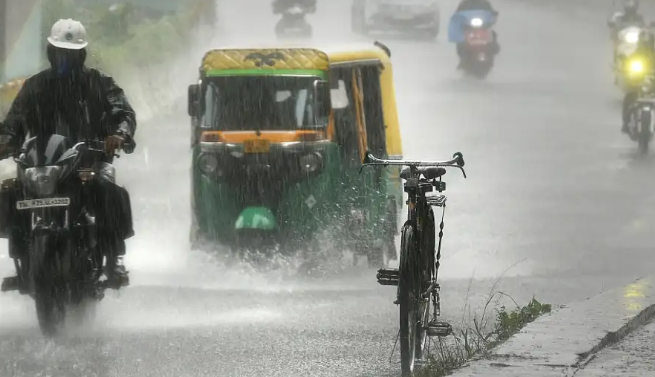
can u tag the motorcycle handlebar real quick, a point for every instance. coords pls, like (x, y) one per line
(99, 146)
(456, 162)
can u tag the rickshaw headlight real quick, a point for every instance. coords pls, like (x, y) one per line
(208, 163)
(310, 163)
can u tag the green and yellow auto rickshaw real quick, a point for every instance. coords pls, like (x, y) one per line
(278, 136)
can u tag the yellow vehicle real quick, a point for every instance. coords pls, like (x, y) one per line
(8, 92)
(315, 112)
(367, 68)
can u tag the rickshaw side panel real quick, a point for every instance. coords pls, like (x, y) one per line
(363, 53)
(394, 140)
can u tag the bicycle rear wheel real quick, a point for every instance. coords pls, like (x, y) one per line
(409, 298)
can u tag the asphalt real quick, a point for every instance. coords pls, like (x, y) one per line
(557, 201)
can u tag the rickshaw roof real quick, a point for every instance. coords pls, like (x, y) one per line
(272, 60)
(337, 53)
(356, 51)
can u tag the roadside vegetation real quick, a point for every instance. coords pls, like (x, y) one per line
(124, 35)
(476, 337)
(144, 44)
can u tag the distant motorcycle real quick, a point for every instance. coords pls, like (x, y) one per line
(293, 22)
(475, 39)
(625, 45)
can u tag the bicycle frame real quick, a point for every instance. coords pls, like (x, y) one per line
(416, 276)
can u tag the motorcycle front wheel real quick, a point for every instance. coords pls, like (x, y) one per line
(50, 308)
(644, 131)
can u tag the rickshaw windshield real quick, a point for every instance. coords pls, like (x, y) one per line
(238, 103)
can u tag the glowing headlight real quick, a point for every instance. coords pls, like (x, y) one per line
(631, 37)
(208, 163)
(476, 22)
(310, 163)
(636, 66)
(42, 181)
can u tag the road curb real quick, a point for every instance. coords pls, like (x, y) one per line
(560, 343)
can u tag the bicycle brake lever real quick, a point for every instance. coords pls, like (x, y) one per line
(460, 159)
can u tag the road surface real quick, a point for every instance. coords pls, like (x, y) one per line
(555, 192)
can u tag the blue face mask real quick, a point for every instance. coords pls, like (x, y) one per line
(63, 67)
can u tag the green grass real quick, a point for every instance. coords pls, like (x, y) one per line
(482, 334)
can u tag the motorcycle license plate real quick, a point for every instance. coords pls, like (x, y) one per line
(42, 203)
(256, 146)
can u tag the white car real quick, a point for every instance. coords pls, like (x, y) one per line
(416, 16)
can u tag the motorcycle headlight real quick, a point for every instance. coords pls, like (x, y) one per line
(310, 163)
(476, 22)
(631, 37)
(42, 181)
(636, 66)
(208, 163)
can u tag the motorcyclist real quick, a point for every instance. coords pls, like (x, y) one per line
(83, 104)
(485, 5)
(630, 14)
(279, 6)
(645, 53)
(465, 5)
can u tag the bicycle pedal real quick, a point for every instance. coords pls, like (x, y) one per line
(388, 276)
(439, 329)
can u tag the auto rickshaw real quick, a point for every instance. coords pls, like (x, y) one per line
(278, 135)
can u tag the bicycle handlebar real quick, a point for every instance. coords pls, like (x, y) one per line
(457, 162)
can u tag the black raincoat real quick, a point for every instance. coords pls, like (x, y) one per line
(86, 106)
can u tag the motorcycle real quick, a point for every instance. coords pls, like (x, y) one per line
(476, 41)
(642, 113)
(53, 210)
(293, 23)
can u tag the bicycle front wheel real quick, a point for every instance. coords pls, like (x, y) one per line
(408, 291)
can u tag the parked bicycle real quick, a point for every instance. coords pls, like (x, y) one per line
(416, 275)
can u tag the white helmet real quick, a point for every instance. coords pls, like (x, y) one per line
(68, 34)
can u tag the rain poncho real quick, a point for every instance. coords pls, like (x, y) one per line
(46, 98)
(460, 20)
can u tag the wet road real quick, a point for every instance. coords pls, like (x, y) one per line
(554, 190)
